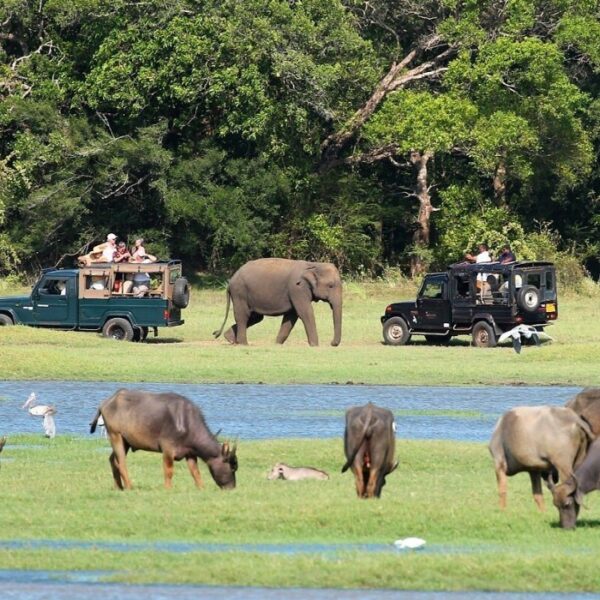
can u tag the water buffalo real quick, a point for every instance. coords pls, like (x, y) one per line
(369, 443)
(587, 405)
(283, 471)
(568, 495)
(167, 423)
(2, 442)
(544, 441)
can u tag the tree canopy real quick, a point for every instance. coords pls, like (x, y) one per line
(367, 133)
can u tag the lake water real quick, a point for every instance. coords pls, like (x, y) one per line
(255, 412)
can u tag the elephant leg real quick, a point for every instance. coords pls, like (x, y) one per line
(307, 315)
(242, 315)
(231, 334)
(287, 324)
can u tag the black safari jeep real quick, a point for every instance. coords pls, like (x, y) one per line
(103, 297)
(483, 300)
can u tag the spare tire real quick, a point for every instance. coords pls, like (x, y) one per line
(181, 292)
(529, 298)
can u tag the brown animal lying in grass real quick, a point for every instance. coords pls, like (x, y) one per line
(283, 471)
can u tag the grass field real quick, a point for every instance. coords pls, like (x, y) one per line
(443, 492)
(190, 354)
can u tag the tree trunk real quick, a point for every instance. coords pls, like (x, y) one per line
(499, 183)
(396, 78)
(421, 235)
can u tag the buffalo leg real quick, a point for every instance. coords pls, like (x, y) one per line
(287, 324)
(359, 480)
(372, 483)
(168, 469)
(501, 479)
(112, 459)
(120, 451)
(536, 489)
(192, 464)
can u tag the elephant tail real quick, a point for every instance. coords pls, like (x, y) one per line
(220, 331)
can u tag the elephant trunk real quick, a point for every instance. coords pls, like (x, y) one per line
(336, 308)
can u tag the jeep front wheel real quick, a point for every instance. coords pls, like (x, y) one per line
(118, 329)
(395, 332)
(484, 335)
(5, 320)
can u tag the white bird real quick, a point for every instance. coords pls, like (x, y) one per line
(409, 543)
(523, 331)
(30, 401)
(42, 410)
(100, 423)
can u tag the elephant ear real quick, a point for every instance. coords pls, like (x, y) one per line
(310, 275)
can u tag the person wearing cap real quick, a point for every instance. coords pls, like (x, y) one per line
(110, 247)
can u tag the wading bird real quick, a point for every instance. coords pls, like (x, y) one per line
(42, 410)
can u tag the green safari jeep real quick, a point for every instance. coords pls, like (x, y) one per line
(121, 300)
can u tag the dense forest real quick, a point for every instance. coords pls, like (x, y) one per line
(375, 134)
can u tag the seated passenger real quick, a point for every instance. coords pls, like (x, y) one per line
(141, 284)
(138, 252)
(506, 255)
(121, 253)
(97, 282)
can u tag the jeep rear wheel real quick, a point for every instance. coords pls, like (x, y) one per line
(118, 329)
(484, 335)
(395, 332)
(529, 298)
(5, 320)
(181, 292)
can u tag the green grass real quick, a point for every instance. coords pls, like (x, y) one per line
(190, 354)
(443, 492)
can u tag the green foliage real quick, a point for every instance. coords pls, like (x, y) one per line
(199, 126)
(468, 219)
(415, 120)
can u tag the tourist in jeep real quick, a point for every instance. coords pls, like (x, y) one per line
(506, 255)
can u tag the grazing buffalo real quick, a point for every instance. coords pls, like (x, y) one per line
(544, 441)
(167, 423)
(369, 443)
(568, 495)
(587, 405)
(2, 442)
(283, 471)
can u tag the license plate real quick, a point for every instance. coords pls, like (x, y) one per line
(550, 307)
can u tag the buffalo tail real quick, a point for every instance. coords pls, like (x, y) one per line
(95, 422)
(362, 438)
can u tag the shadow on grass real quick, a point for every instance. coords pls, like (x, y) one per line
(157, 340)
(581, 524)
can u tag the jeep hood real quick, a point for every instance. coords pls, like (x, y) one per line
(10, 301)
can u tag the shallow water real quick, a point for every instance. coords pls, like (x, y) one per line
(289, 411)
(61, 585)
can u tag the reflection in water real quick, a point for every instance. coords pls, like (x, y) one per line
(291, 411)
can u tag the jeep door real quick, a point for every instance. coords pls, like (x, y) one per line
(51, 306)
(433, 307)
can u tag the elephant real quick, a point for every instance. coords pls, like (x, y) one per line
(282, 287)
